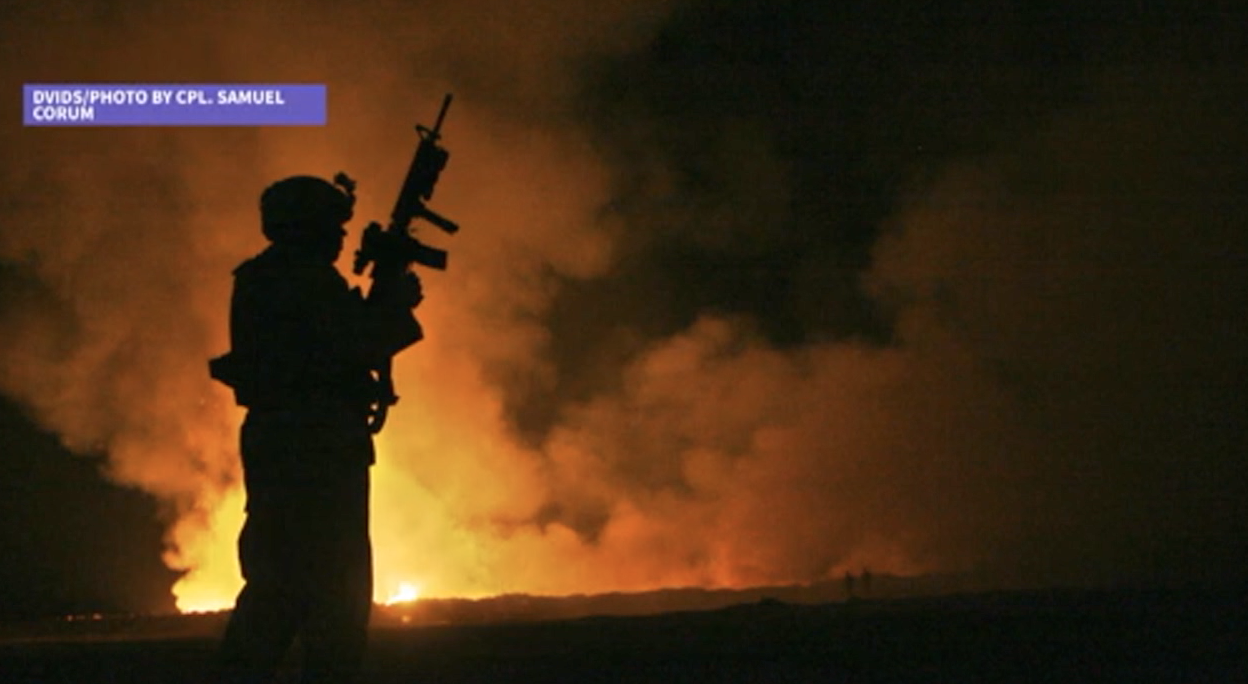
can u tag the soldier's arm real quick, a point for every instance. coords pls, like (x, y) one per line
(353, 331)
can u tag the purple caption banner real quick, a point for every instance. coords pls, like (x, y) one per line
(127, 104)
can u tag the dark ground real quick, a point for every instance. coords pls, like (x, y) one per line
(1059, 636)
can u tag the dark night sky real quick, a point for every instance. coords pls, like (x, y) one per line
(924, 286)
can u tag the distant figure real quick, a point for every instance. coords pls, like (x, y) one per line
(303, 345)
(849, 585)
(866, 582)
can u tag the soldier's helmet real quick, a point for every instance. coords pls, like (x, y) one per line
(299, 202)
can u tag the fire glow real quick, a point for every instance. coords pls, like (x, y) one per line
(406, 593)
(457, 503)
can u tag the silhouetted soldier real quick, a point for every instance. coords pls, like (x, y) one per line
(302, 346)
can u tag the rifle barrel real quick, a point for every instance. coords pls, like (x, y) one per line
(446, 103)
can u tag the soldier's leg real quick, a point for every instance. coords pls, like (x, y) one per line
(261, 630)
(267, 612)
(335, 631)
(335, 634)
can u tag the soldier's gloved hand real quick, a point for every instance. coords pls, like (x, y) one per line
(410, 291)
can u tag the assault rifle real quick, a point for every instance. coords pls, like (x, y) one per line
(393, 249)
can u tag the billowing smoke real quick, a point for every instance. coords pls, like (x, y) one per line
(720, 314)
